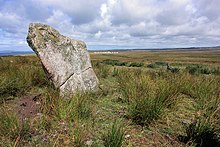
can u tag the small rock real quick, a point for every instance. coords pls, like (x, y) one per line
(39, 114)
(37, 103)
(127, 136)
(89, 142)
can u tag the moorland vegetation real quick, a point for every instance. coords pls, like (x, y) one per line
(137, 104)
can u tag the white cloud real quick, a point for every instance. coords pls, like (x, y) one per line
(80, 11)
(98, 34)
(134, 11)
(130, 23)
(60, 21)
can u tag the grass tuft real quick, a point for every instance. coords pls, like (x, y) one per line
(11, 129)
(115, 136)
(147, 97)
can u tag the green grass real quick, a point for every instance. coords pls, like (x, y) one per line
(201, 133)
(79, 106)
(115, 136)
(147, 97)
(203, 69)
(156, 107)
(114, 62)
(101, 70)
(17, 77)
(75, 108)
(119, 63)
(11, 129)
(205, 128)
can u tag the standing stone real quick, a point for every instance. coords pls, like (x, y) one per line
(66, 61)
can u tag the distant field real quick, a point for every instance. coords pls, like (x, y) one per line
(211, 57)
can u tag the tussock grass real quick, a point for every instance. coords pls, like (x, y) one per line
(79, 106)
(16, 80)
(11, 129)
(133, 84)
(147, 97)
(201, 133)
(101, 70)
(205, 129)
(79, 133)
(49, 100)
(9, 125)
(114, 137)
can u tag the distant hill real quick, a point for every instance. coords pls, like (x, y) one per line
(13, 53)
(216, 48)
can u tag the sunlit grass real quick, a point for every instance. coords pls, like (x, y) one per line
(157, 106)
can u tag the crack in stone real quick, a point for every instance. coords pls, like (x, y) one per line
(67, 79)
(72, 75)
(86, 69)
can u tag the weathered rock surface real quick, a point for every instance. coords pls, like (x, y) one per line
(66, 61)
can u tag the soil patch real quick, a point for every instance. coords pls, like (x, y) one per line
(28, 106)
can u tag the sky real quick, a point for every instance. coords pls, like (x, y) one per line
(114, 24)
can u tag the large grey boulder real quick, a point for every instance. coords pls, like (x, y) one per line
(66, 61)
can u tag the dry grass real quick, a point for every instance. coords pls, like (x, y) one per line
(196, 57)
(189, 104)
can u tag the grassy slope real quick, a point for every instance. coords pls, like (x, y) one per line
(88, 118)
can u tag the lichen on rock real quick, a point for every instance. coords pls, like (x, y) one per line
(66, 61)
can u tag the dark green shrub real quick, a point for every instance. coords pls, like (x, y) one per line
(216, 70)
(114, 62)
(161, 63)
(110, 62)
(136, 64)
(153, 65)
(121, 64)
(192, 70)
(202, 69)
